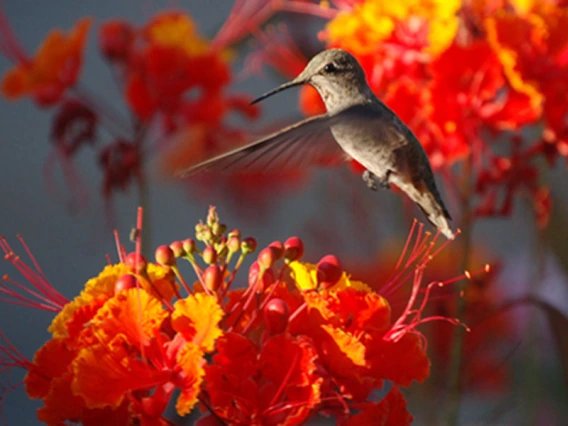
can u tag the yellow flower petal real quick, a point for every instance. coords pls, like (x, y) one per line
(190, 359)
(102, 287)
(347, 344)
(134, 313)
(175, 29)
(197, 318)
(361, 29)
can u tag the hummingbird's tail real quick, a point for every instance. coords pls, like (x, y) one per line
(430, 202)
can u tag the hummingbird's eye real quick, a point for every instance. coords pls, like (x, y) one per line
(330, 68)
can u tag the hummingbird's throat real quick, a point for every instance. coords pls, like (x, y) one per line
(340, 94)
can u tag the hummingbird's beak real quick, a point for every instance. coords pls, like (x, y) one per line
(296, 82)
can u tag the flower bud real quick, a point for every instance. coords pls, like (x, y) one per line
(189, 245)
(329, 271)
(165, 255)
(215, 229)
(234, 244)
(135, 262)
(209, 255)
(218, 229)
(235, 233)
(276, 316)
(203, 233)
(125, 282)
(221, 250)
(115, 40)
(248, 245)
(266, 280)
(177, 249)
(212, 216)
(293, 249)
(278, 249)
(207, 235)
(212, 277)
(266, 258)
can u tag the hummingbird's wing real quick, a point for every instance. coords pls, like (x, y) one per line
(302, 144)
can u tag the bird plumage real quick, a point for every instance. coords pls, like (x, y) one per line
(357, 125)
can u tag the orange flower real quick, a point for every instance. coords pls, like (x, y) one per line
(53, 69)
(109, 342)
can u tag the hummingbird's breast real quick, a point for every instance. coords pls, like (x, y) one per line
(364, 144)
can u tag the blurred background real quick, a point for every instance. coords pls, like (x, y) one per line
(66, 203)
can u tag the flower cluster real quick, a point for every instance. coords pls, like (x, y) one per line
(173, 81)
(470, 78)
(298, 340)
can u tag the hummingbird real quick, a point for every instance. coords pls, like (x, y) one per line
(357, 125)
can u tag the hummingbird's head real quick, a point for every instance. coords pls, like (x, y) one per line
(336, 75)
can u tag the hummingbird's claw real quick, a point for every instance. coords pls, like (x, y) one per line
(369, 179)
(384, 180)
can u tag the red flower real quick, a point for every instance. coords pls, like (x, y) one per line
(277, 384)
(299, 340)
(390, 411)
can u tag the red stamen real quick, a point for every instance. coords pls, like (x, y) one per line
(278, 50)
(406, 244)
(10, 358)
(119, 248)
(233, 275)
(245, 16)
(285, 380)
(50, 299)
(309, 9)
(184, 284)
(251, 293)
(401, 326)
(261, 307)
(297, 312)
(48, 305)
(138, 237)
(9, 44)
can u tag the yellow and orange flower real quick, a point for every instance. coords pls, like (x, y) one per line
(531, 43)
(370, 23)
(109, 342)
(299, 340)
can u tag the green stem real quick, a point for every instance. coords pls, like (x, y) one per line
(451, 412)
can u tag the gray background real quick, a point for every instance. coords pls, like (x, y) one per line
(70, 247)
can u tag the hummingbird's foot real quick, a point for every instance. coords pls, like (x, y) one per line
(384, 180)
(369, 179)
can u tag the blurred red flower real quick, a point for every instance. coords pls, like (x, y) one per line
(54, 68)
